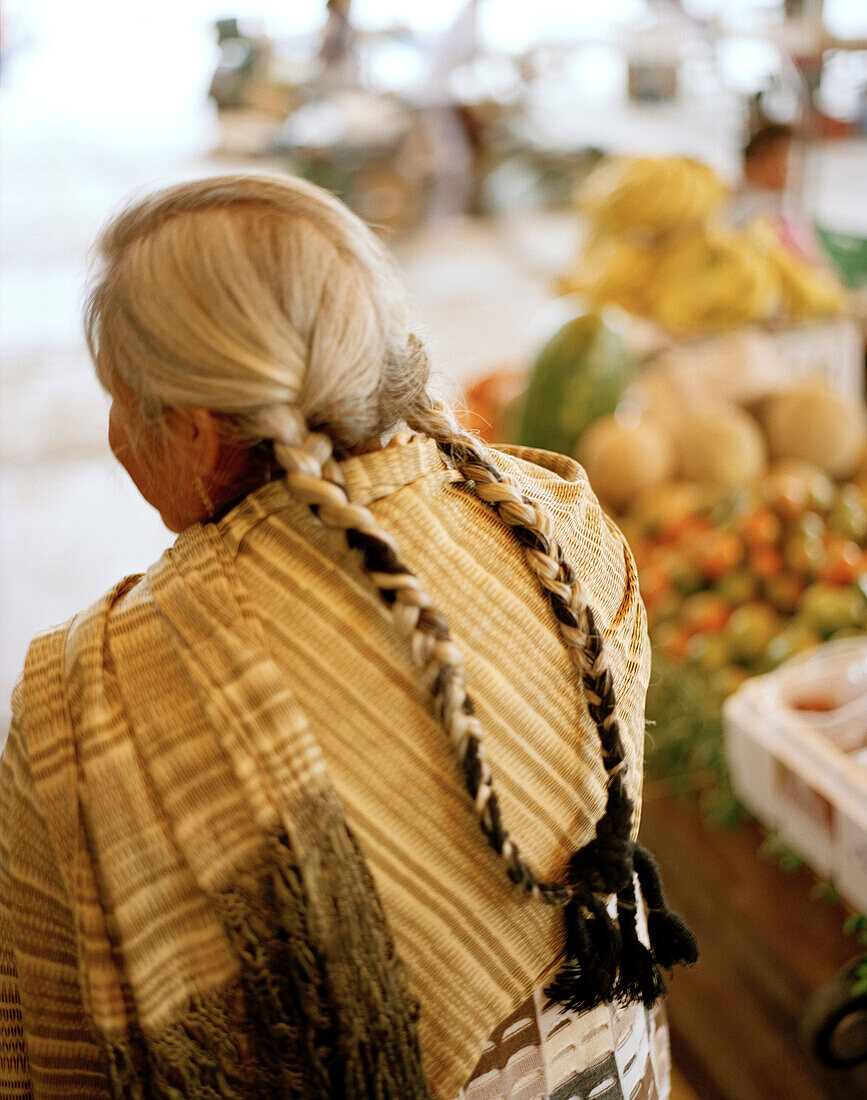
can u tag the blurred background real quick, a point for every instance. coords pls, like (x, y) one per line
(657, 207)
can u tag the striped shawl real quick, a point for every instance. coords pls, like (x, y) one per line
(179, 892)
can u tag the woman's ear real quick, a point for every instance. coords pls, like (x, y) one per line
(197, 432)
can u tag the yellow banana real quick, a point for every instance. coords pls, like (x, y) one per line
(807, 292)
(650, 195)
(711, 279)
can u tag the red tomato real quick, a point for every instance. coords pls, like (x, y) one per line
(718, 553)
(673, 640)
(761, 528)
(654, 581)
(684, 529)
(487, 398)
(784, 590)
(842, 563)
(788, 496)
(766, 561)
(705, 612)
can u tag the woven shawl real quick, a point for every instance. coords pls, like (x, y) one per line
(190, 911)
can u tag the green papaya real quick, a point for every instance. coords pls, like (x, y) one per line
(578, 376)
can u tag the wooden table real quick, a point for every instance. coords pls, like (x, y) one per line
(766, 946)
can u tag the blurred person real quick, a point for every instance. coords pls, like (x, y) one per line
(338, 33)
(767, 157)
(250, 840)
(767, 168)
(772, 169)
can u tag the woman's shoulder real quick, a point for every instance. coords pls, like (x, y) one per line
(540, 465)
(77, 629)
(123, 606)
(58, 655)
(554, 481)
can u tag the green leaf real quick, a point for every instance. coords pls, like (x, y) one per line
(859, 987)
(774, 849)
(826, 891)
(855, 924)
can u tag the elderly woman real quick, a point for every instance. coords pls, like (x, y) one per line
(256, 806)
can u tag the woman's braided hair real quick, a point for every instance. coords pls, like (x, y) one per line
(280, 389)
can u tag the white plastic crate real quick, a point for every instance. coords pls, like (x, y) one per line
(797, 771)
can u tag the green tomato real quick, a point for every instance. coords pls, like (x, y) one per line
(821, 492)
(796, 638)
(709, 651)
(811, 524)
(731, 507)
(667, 606)
(738, 587)
(687, 578)
(726, 681)
(784, 590)
(849, 515)
(750, 630)
(804, 553)
(827, 608)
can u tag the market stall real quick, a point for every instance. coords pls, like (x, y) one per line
(710, 380)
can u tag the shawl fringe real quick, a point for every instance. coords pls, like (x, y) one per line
(298, 1024)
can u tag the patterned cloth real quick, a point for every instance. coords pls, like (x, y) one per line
(132, 810)
(544, 1053)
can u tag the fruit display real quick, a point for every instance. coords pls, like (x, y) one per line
(767, 542)
(815, 423)
(657, 249)
(739, 367)
(806, 292)
(713, 278)
(625, 457)
(746, 579)
(717, 412)
(735, 583)
(722, 444)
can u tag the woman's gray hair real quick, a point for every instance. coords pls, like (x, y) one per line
(248, 294)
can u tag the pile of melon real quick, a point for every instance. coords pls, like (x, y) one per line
(632, 451)
(717, 414)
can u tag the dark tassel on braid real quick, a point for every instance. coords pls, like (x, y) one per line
(604, 863)
(640, 978)
(671, 941)
(593, 951)
(606, 938)
(600, 950)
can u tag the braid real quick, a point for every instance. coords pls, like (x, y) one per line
(605, 865)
